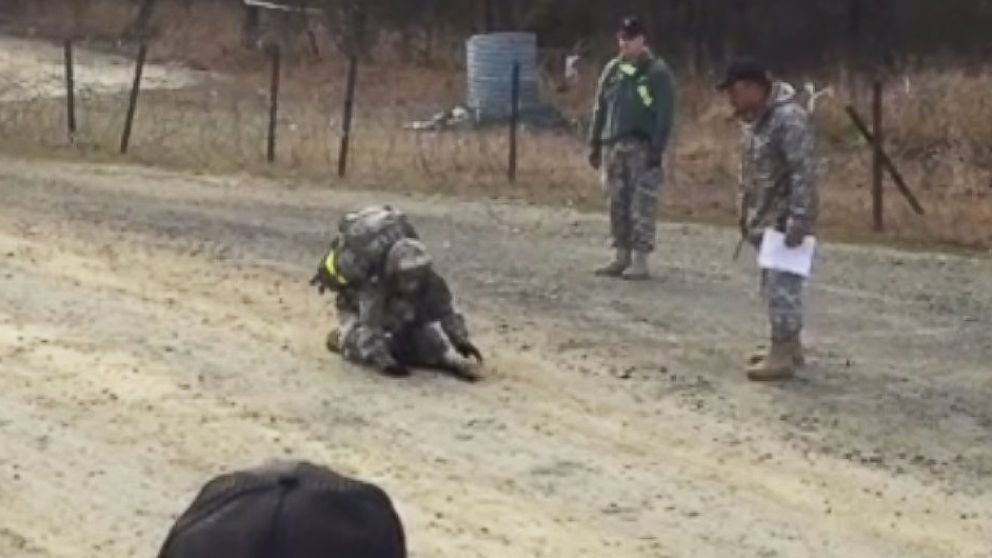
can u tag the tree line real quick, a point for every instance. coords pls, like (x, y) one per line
(691, 34)
(697, 34)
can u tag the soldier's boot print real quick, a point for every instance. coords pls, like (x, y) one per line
(760, 353)
(621, 261)
(778, 364)
(638, 270)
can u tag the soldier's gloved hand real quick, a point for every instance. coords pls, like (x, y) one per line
(467, 349)
(596, 157)
(315, 282)
(654, 161)
(795, 233)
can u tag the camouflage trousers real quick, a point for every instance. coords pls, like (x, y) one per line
(784, 292)
(423, 344)
(632, 190)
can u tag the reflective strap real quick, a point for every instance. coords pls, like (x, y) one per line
(645, 94)
(628, 69)
(331, 265)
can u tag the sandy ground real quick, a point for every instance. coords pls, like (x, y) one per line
(157, 328)
(35, 69)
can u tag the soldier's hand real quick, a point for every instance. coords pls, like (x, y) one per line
(467, 349)
(596, 158)
(654, 161)
(315, 282)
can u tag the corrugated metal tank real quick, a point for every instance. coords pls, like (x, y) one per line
(490, 60)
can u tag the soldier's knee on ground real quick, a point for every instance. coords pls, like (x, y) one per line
(333, 342)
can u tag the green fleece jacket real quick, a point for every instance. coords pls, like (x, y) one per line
(634, 99)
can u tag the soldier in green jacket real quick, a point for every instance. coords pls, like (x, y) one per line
(631, 123)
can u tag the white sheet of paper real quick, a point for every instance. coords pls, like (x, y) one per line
(774, 254)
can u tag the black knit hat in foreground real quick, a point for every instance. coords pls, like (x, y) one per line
(293, 509)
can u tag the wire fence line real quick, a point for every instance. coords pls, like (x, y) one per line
(220, 123)
(223, 123)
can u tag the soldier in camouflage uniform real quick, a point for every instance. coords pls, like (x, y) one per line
(631, 124)
(777, 189)
(394, 310)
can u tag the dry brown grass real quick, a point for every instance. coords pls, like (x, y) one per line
(939, 132)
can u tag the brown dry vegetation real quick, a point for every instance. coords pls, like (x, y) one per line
(939, 130)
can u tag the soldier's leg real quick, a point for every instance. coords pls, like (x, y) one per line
(646, 187)
(427, 345)
(350, 339)
(336, 337)
(785, 305)
(347, 319)
(761, 352)
(617, 189)
(785, 311)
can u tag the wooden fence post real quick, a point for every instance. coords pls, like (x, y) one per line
(878, 178)
(273, 104)
(349, 104)
(70, 92)
(514, 119)
(133, 101)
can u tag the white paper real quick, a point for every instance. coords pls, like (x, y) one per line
(774, 254)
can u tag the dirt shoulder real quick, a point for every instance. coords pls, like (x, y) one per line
(156, 328)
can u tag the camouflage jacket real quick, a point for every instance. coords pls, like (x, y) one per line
(778, 160)
(383, 312)
(634, 100)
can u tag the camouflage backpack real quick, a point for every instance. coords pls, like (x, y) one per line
(359, 251)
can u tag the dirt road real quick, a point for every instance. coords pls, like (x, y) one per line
(157, 328)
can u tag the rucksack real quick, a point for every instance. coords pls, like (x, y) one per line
(357, 254)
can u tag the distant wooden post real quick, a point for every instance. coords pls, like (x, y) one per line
(349, 103)
(70, 92)
(133, 101)
(273, 104)
(514, 119)
(878, 178)
(887, 163)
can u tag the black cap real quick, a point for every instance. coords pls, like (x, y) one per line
(745, 69)
(630, 28)
(292, 509)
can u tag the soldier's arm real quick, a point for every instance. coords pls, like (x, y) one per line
(798, 145)
(598, 108)
(441, 308)
(664, 96)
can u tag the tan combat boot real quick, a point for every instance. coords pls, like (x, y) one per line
(638, 270)
(761, 353)
(621, 261)
(777, 365)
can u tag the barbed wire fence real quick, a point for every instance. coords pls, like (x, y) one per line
(221, 123)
